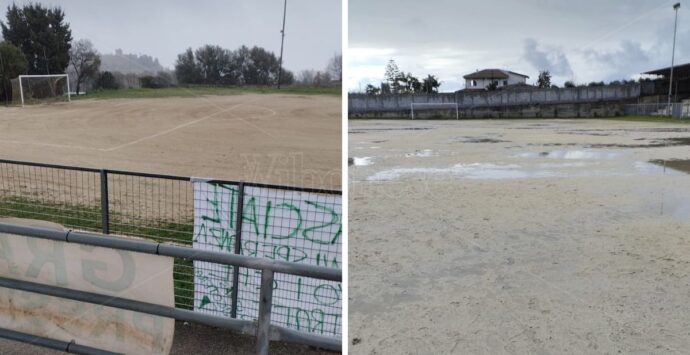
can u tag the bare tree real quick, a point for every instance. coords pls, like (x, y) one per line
(85, 61)
(306, 77)
(335, 67)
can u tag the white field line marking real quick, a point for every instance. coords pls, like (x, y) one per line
(204, 98)
(170, 130)
(255, 126)
(273, 113)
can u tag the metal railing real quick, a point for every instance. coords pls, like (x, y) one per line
(262, 328)
(156, 207)
(678, 110)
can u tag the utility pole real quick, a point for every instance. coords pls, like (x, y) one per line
(282, 42)
(673, 54)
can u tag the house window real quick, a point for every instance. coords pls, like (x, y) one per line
(505, 82)
(474, 83)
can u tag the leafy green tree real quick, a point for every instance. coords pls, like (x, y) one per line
(544, 80)
(241, 65)
(412, 84)
(41, 34)
(186, 68)
(212, 63)
(568, 84)
(85, 61)
(393, 76)
(12, 64)
(430, 84)
(372, 90)
(493, 86)
(264, 65)
(288, 77)
(106, 80)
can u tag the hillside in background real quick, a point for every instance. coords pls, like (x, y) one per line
(130, 63)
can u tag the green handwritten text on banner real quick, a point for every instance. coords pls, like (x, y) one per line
(277, 224)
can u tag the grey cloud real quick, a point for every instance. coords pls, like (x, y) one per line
(558, 32)
(621, 63)
(549, 58)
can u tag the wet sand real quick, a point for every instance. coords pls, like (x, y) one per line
(518, 236)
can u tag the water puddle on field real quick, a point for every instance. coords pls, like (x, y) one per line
(479, 139)
(424, 153)
(675, 206)
(384, 129)
(573, 154)
(360, 161)
(666, 199)
(480, 171)
(489, 171)
(675, 164)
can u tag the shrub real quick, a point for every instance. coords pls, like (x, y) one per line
(161, 80)
(105, 80)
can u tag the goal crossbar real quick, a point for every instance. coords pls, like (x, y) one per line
(21, 87)
(433, 105)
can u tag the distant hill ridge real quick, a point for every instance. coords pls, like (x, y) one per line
(130, 63)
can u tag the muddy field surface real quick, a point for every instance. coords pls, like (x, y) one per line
(519, 236)
(269, 138)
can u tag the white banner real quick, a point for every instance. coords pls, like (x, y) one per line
(277, 224)
(137, 276)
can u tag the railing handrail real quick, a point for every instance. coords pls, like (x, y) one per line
(164, 249)
(262, 328)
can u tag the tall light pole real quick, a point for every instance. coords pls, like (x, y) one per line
(282, 41)
(673, 54)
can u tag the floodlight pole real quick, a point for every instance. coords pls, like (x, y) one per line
(673, 54)
(282, 42)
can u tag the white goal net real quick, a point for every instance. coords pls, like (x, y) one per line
(37, 89)
(434, 110)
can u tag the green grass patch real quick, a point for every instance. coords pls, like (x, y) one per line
(89, 218)
(194, 91)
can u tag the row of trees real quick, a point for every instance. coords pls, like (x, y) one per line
(544, 81)
(38, 41)
(214, 65)
(399, 82)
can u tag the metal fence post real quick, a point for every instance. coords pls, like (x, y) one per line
(263, 331)
(105, 213)
(238, 248)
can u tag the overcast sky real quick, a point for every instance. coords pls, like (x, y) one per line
(584, 40)
(165, 28)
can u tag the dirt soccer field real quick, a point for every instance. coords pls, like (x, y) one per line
(519, 237)
(270, 138)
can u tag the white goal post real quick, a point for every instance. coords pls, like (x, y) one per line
(56, 76)
(434, 106)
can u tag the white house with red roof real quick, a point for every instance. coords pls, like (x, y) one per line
(481, 79)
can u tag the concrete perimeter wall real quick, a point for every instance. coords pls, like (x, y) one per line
(571, 102)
